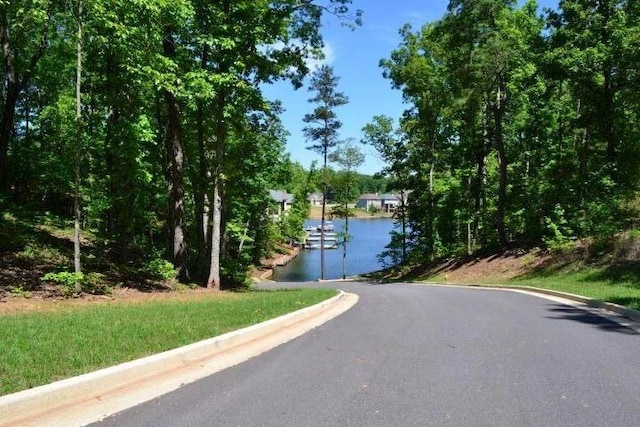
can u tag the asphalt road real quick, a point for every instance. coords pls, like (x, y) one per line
(425, 356)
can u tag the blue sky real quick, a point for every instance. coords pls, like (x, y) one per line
(354, 56)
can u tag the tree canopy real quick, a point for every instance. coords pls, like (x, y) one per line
(520, 128)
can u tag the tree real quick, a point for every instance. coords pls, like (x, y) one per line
(590, 42)
(77, 214)
(24, 35)
(322, 129)
(258, 42)
(349, 158)
(394, 151)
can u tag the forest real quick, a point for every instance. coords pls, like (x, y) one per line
(522, 128)
(143, 123)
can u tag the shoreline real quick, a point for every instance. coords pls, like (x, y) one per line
(265, 270)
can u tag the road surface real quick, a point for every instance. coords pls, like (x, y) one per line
(409, 355)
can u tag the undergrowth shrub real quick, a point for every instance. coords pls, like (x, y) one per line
(71, 284)
(159, 269)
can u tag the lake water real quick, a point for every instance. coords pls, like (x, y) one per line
(368, 239)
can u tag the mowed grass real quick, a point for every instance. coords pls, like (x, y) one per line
(42, 347)
(618, 282)
(616, 285)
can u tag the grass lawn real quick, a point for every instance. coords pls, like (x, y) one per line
(619, 285)
(40, 347)
(574, 272)
(593, 283)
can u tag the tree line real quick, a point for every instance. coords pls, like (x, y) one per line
(521, 128)
(146, 121)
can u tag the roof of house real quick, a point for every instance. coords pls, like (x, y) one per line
(372, 196)
(281, 196)
(369, 196)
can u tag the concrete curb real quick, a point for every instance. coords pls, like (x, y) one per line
(36, 406)
(593, 303)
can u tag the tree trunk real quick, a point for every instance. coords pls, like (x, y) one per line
(346, 238)
(201, 196)
(403, 218)
(9, 105)
(214, 281)
(78, 153)
(432, 233)
(498, 110)
(202, 188)
(324, 207)
(176, 157)
(14, 85)
(609, 113)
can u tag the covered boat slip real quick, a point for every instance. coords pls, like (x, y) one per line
(315, 237)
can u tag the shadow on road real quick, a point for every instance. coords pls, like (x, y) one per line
(564, 312)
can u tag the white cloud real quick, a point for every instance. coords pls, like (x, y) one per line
(329, 57)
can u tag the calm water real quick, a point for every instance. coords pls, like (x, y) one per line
(368, 239)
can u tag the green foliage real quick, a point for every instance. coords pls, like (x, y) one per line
(513, 133)
(392, 254)
(171, 96)
(70, 283)
(159, 269)
(19, 291)
(558, 231)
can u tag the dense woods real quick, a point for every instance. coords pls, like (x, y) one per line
(149, 114)
(521, 127)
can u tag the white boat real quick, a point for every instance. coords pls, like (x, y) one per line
(328, 235)
(327, 245)
(328, 226)
(314, 240)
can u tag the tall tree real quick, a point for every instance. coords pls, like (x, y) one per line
(349, 158)
(259, 42)
(78, 150)
(394, 150)
(24, 35)
(322, 130)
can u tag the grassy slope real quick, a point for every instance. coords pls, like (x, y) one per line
(605, 275)
(39, 347)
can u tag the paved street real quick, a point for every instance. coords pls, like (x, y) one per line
(425, 356)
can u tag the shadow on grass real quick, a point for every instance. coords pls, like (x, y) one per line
(627, 272)
(563, 312)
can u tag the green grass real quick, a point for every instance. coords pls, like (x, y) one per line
(38, 348)
(607, 281)
(618, 285)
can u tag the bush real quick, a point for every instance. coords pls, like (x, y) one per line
(74, 283)
(159, 269)
(95, 284)
(71, 283)
(558, 234)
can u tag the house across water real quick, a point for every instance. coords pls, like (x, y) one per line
(387, 202)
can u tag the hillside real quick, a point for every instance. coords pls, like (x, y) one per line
(609, 271)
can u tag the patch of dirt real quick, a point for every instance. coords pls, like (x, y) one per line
(498, 266)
